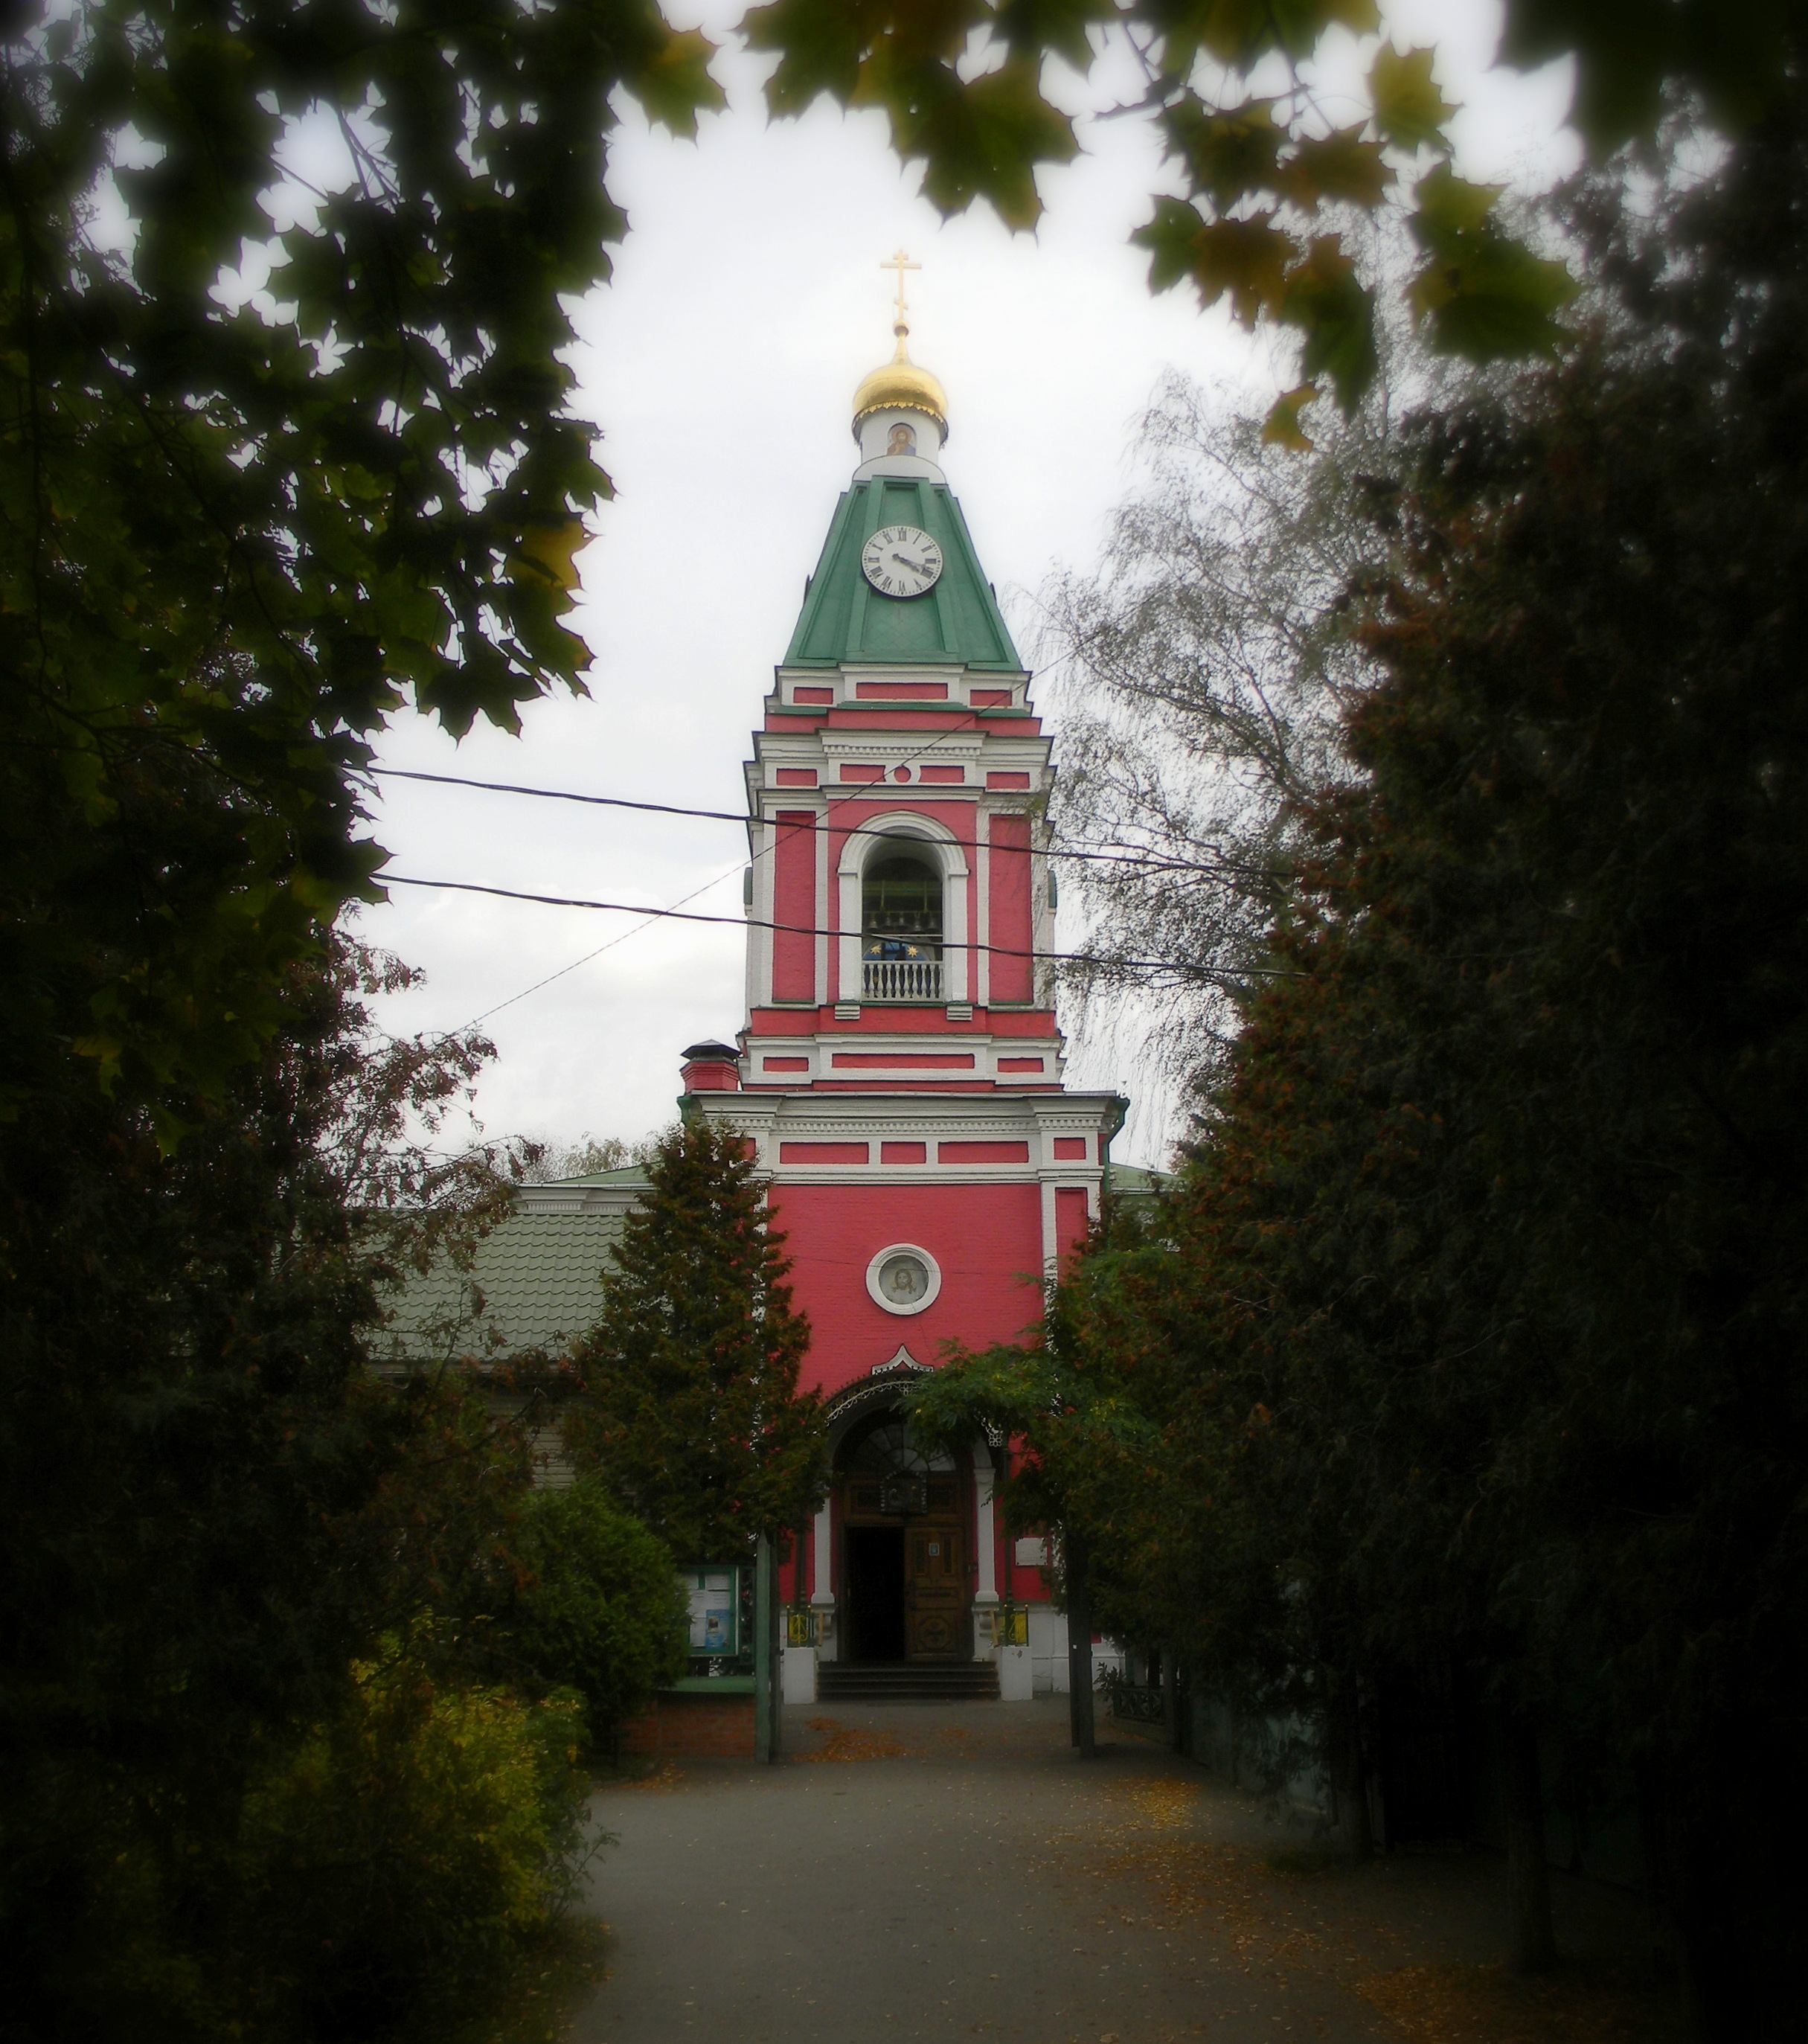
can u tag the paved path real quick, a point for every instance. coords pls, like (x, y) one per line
(941, 1871)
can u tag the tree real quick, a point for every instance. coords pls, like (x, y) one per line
(686, 1407)
(209, 1508)
(589, 1154)
(1565, 879)
(1277, 191)
(1203, 670)
(1491, 1224)
(1078, 1407)
(283, 292)
(289, 446)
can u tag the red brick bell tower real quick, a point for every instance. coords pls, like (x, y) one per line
(900, 1070)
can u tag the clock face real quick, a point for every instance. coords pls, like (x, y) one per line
(901, 560)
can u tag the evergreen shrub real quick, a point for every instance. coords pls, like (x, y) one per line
(602, 1611)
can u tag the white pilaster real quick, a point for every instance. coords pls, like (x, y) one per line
(821, 1600)
(847, 924)
(822, 918)
(759, 941)
(982, 861)
(984, 1531)
(955, 923)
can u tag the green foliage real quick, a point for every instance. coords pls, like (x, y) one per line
(403, 1850)
(601, 1610)
(1410, 111)
(686, 1406)
(284, 450)
(1270, 184)
(1089, 1407)
(1481, 294)
(1477, 1336)
(228, 1508)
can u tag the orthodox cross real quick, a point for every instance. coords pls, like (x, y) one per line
(900, 262)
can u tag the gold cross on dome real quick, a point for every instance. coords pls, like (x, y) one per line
(900, 262)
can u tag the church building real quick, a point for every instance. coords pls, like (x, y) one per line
(898, 1072)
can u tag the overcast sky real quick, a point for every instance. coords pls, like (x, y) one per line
(720, 365)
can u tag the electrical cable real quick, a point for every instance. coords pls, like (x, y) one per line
(811, 930)
(1126, 855)
(651, 915)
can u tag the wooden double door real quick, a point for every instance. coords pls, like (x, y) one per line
(935, 1592)
(906, 1591)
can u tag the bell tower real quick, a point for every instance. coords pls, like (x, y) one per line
(900, 1069)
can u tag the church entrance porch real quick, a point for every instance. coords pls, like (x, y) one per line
(905, 1596)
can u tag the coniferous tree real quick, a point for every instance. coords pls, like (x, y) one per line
(1485, 1303)
(687, 1404)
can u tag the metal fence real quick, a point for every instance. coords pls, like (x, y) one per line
(1135, 1702)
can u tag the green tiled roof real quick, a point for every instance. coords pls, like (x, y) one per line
(540, 1275)
(1131, 1181)
(845, 619)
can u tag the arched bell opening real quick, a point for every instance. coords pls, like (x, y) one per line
(900, 927)
(903, 1513)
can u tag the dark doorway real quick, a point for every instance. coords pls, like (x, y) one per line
(875, 1592)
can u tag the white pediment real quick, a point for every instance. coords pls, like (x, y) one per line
(902, 1361)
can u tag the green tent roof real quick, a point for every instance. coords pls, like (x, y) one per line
(845, 619)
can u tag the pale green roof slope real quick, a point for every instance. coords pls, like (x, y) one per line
(845, 619)
(540, 1277)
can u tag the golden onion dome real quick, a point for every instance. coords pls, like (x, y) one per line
(900, 386)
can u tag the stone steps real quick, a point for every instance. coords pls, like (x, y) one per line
(899, 1682)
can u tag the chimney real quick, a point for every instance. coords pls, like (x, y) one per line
(712, 1068)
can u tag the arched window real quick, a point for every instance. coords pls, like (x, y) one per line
(901, 930)
(890, 1473)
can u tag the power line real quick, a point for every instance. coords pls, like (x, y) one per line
(1124, 856)
(651, 916)
(811, 930)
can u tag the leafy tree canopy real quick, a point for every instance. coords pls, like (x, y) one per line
(283, 289)
(1088, 1408)
(1272, 179)
(283, 293)
(228, 1508)
(1488, 1246)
